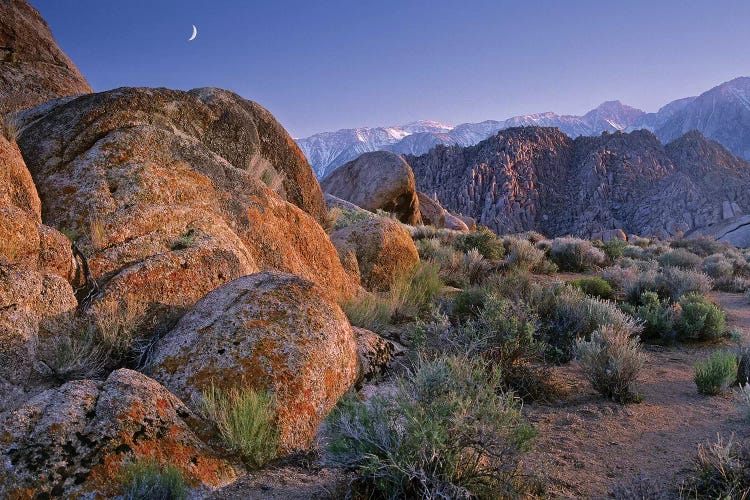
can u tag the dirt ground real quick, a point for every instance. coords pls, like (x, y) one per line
(586, 446)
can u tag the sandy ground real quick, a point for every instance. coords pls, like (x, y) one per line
(586, 445)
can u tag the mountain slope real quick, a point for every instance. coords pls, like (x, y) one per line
(539, 178)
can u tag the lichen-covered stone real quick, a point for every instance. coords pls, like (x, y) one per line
(74, 440)
(270, 331)
(373, 352)
(381, 250)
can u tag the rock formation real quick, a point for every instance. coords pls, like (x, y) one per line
(171, 194)
(379, 180)
(540, 179)
(270, 331)
(73, 440)
(379, 251)
(433, 214)
(33, 69)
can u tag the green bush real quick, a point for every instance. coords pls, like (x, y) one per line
(722, 470)
(680, 258)
(469, 304)
(657, 316)
(614, 249)
(246, 420)
(594, 286)
(524, 255)
(456, 268)
(149, 480)
(715, 374)
(576, 255)
(484, 240)
(700, 319)
(566, 315)
(449, 431)
(611, 360)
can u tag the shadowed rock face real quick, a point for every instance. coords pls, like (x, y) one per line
(379, 180)
(33, 69)
(540, 179)
(172, 194)
(270, 331)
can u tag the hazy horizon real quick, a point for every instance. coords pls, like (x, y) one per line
(349, 65)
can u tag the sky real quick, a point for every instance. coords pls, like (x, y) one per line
(326, 65)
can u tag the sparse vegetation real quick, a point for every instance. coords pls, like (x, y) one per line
(246, 420)
(449, 431)
(611, 360)
(97, 234)
(339, 218)
(10, 127)
(186, 240)
(680, 258)
(715, 374)
(148, 480)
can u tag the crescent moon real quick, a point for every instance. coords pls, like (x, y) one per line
(195, 33)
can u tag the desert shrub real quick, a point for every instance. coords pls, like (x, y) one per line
(733, 284)
(149, 480)
(369, 311)
(469, 304)
(656, 315)
(573, 254)
(640, 487)
(742, 399)
(339, 218)
(455, 267)
(566, 314)
(673, 283)
(594, 286)
(702, 247)
(715, 374)
(522, 254)
(722, 470)
(449, 431)
(245, 419)
(680, 258)
(614, 249)
(700, 319)
(516, 284)
(532, 237)
(484, 240)
(621, 279)
(718, 266)
(611, 360)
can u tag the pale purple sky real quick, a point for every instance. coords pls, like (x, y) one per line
(334, 64)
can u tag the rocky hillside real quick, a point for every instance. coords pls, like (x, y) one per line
(33, 69)
(541, 179)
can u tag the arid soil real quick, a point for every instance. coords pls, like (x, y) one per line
(586, 446)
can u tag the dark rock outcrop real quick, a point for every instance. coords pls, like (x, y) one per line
(379, 180)
(540, 179)
(33, 69)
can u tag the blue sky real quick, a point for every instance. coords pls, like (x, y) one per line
(325, 65)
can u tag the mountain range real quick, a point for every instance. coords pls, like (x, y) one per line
(721, 114)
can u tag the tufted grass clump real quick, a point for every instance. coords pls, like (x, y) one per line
(484, 240)
(593, 286)
(721, 470)
(612, 360)
(149, 480)
(700, 319)
(246, 421)
(576, 255)
(448, 431)
(715, 374)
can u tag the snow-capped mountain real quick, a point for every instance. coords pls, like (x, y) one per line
(721, 114)
(328, 150)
